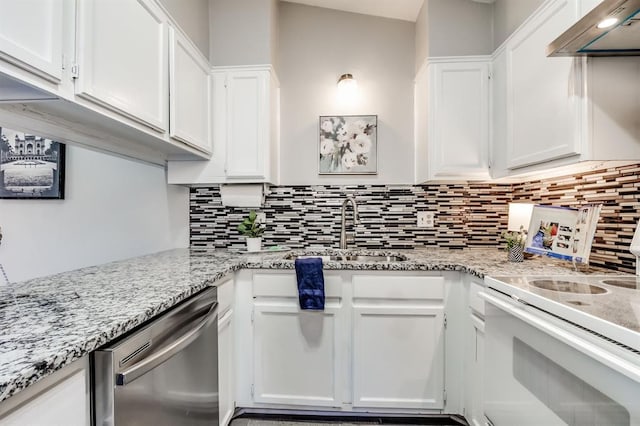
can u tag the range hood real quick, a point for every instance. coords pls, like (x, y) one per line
(585, 38)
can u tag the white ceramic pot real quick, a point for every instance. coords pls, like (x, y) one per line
(254, 244)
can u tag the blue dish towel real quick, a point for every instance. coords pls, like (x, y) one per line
(310, 283)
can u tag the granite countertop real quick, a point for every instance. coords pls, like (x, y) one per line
(49, 322)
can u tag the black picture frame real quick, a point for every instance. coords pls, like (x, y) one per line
(32, 167)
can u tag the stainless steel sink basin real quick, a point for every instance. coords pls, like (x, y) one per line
(354, 258)
(568, 286)
(367, 258)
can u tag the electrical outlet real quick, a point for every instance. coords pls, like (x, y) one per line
(261, 217)
(426, 219)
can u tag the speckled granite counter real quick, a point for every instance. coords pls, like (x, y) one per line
(49, 322)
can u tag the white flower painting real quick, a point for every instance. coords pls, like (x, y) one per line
(348, 144)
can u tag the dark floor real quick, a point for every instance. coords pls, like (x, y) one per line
(245, 418)
(258, 422)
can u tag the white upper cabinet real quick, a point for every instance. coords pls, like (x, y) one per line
(556, 111)
(103, 67)
(544, 95)
(122, 59)
(31, 36)
(452, 110)
(245, 114)
(189, 93)
(246, 121)
(459, 119)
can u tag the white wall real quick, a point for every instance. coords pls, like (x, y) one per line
(113, 209)
(241, 31)
(460, 27)
(508, 15)
(422, 36)
(193, 18)
(316, 46)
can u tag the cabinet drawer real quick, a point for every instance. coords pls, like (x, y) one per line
(475, 302)
(398, 287)
(286, 285)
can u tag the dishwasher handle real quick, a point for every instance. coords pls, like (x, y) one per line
(143, 367)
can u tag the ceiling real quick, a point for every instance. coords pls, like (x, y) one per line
(407, 10)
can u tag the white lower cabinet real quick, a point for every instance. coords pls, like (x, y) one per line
(474, 353)
(398, 341)
(377, 346)
(398, 357)
(297, 355)
(61, 399)
(226, 353)
(475, 412)
(301, 369)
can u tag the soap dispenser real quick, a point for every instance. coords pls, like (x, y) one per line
(635, 247)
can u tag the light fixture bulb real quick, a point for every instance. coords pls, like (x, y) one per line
(608, 22)
(347, 88)
(519, 216)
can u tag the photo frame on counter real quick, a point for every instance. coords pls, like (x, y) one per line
(348, 145)
(563, 233)
(31, 166)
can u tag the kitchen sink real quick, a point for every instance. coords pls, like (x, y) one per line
(353, 258)
(568, 286)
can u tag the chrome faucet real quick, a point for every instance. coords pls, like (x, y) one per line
(343, 230)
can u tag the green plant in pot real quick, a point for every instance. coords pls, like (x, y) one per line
(252, 230)
(514, 244)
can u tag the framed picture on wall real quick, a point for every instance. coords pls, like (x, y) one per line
(31, 166)
(348, 145)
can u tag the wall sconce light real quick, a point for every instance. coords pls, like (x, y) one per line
(347, 85)
(519, 216)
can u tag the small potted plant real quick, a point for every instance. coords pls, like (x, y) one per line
(253, 230)
(514, 244)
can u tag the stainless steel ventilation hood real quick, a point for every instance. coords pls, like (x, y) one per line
(585, 38)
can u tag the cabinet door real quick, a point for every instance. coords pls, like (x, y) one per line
(122, 57)
(31, 35)
(64, 404)
(247, 124)
(544, 108)
(226, 368)
(398, 357)
(459, 120)
(189, 93)
(475, 375)
(296, 355)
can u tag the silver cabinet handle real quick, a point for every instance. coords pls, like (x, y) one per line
(143, 367)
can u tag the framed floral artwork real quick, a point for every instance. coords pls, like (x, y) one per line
(348, 145)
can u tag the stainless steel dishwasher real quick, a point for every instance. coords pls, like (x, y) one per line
(164, 374)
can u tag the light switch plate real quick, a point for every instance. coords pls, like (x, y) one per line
(426, 219)
(261, 217)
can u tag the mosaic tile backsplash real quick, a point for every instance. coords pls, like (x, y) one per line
(466, 214)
